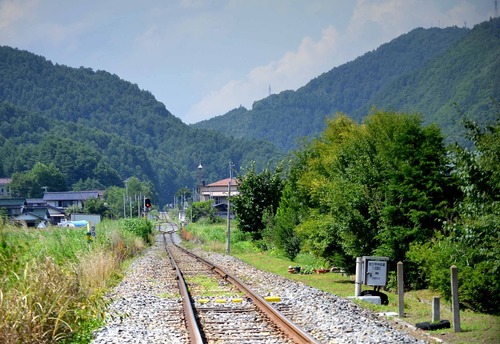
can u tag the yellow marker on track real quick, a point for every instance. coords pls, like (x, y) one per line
(272, 298)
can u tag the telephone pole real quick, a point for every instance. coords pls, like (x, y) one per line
(228, 248)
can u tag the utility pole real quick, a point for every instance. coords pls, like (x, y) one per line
(228, 249)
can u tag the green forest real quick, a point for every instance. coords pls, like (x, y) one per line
(435, 72)
(99, 130)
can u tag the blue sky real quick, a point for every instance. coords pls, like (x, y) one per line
(202, 58)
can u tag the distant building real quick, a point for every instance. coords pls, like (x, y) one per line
(51, 209)
(5, 190)
(219, 191)
(67, 199)
(12, 207)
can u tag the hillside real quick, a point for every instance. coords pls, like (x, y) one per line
(425, 71)
(92, 124)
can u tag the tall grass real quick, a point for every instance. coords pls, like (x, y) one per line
(214, 237)
(52, 280)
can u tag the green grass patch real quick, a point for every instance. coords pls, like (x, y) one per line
(206, 286)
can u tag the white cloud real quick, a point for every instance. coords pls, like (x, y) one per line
(15, 14)
(293, 70)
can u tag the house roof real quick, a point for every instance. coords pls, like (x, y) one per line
(12, 202)
(39, 212)
(224, 182)
(31, 201)
(70, 195)
(54, 212)
(220, 193)
(28, 217)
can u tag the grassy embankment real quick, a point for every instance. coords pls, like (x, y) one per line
(52, 280)
(475, 327)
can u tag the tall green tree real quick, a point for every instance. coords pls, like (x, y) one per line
(472, 242)
(41, 177)
(375, 188)
(259, 194)
(292, 209)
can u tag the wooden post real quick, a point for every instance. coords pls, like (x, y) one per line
(454, 298)
(436, 311)
(401, 290)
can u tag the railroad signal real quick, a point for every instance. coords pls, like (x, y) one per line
(147, 203)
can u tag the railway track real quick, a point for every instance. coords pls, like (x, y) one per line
(219, 308)
(147, 306)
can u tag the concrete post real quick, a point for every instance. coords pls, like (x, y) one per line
(454, 298)
(359, 277)
(436, 311)
(401, 290)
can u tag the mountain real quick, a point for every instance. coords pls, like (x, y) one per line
(94, 125)
(425, 71)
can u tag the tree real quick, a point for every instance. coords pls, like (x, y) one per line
(473, 237)
(291, 210)
(257, 193)
(88, 184)
(114, 197)
(42, 177)
(204, 210)
(374, 188)
(95, 206)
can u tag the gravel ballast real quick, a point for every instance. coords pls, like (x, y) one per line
(145, 311)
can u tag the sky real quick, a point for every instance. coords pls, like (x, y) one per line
(203, 58)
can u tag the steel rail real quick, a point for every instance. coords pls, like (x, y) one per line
(296, 333)
(191, 324)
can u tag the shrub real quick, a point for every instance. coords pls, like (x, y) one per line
(479, 281)
(143, 228)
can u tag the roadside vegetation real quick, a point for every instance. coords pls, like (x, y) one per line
(387, 187)
(476, 327)
(53, 280)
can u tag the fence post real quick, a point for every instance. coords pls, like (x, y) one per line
(401, 290)
(454, 299)
(436, 311)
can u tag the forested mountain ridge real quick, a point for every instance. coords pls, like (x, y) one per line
(92, 124)
(470, 82)
(425, 71)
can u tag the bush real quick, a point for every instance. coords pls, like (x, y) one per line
(479, 282)
(143, 228)
(204, 210)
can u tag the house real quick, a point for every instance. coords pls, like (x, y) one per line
(55, 215)
(5, 190)
(12, 207)
(219, 191)
(49, 209)
(30, 212)
(67, 199)
(34, 217)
